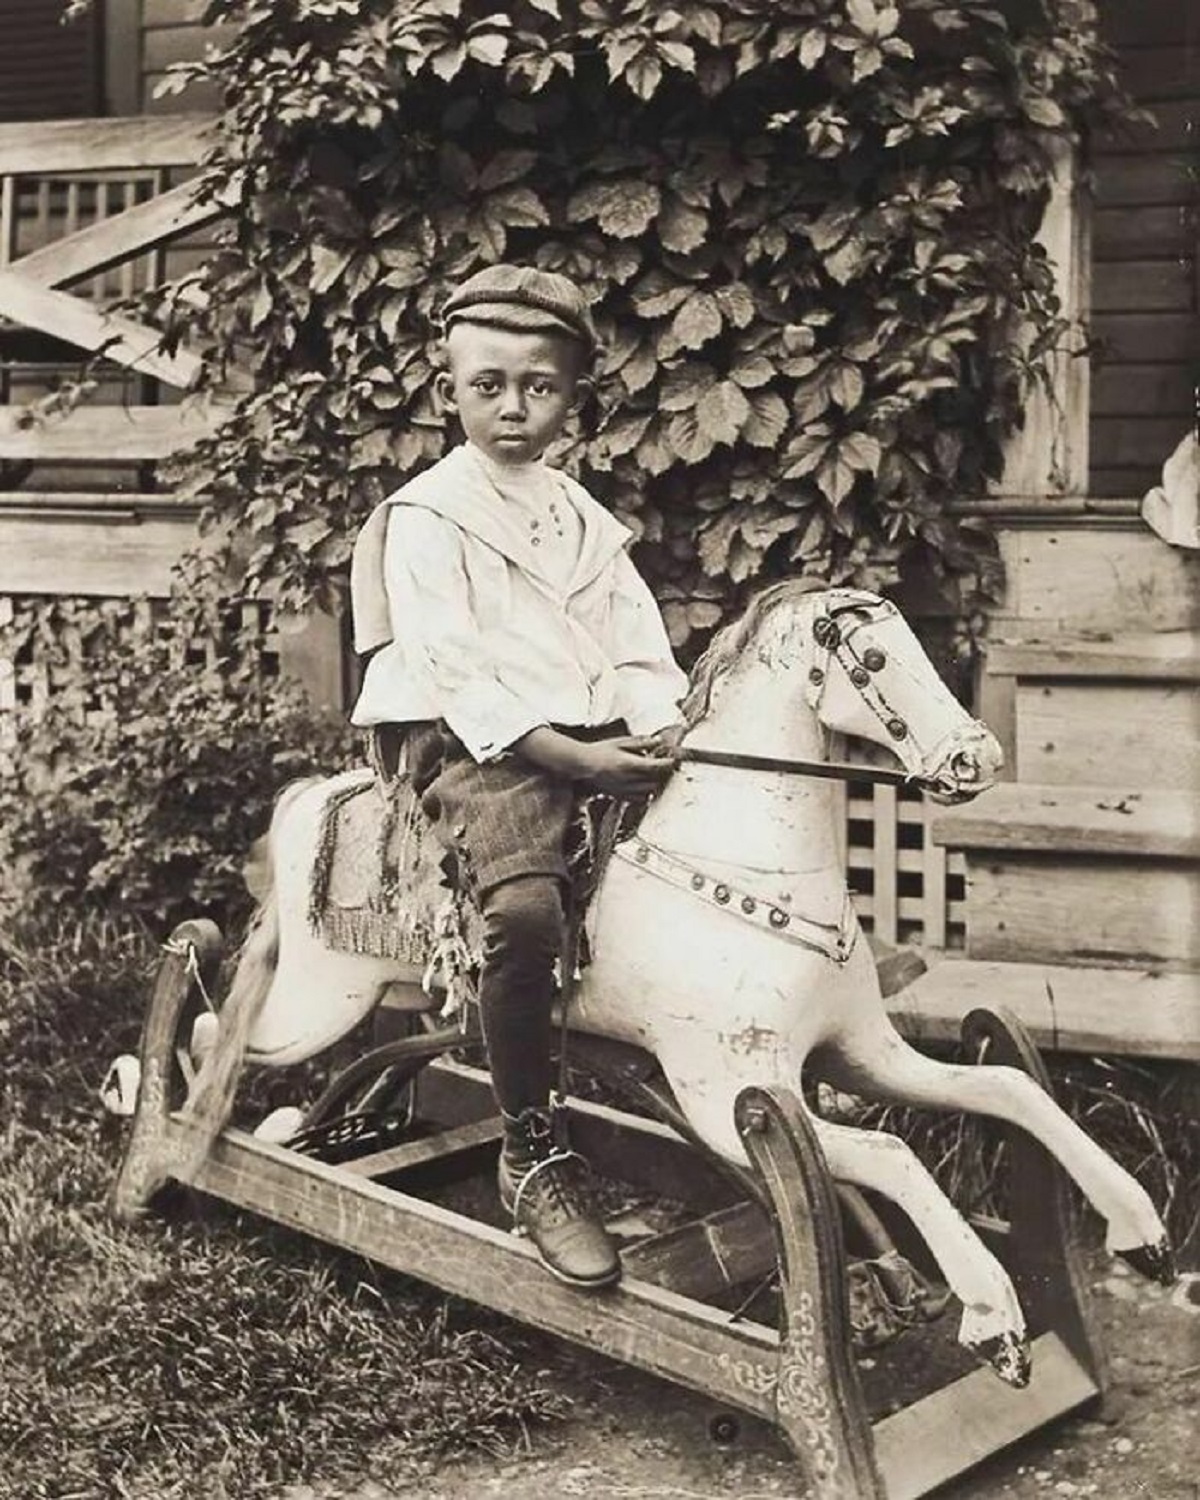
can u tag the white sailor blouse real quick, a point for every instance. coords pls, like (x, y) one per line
(472, 627)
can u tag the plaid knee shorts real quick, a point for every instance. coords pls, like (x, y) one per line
(499, 820)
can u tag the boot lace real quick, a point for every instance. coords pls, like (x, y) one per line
(561, 1181)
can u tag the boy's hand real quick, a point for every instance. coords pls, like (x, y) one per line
(630, 766)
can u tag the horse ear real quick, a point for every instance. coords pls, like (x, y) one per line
(256, 872)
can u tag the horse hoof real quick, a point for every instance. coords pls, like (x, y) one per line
(1156, 1262)
(1008, 1354)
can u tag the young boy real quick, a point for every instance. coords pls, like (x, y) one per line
(526, 660)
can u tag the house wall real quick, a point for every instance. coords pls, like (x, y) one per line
(172, 33)
(1145, 273)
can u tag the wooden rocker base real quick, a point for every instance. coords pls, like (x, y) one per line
(800, 1376)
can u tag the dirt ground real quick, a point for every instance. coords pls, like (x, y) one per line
(631, 1437)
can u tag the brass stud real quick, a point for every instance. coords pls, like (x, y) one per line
(778, 917)
(816, 676)
(749, 904)
(697, 882)
(897, 728)
(874, 659)
(860, 677)
(642, 855)
(721, 893)
(826, 632)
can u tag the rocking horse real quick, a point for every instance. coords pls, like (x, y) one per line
(724, 947)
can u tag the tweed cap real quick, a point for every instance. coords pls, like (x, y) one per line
(525, 299)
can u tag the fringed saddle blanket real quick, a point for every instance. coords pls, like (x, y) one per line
(381, 882)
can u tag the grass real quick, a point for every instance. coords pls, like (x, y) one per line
(217, 1358)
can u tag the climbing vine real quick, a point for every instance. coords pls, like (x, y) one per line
(806, 226)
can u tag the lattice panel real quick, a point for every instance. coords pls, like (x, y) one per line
(906, 888)
(46, 642)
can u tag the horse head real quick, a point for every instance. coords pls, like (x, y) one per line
(868, 676)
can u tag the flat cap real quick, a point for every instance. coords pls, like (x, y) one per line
(525, 299)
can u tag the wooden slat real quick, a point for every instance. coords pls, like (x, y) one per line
(159, 13)
(65, 317)
(115, 238)
(174, 44)
(1079, 909)
(46, 548)
(1075, 819)
(1142, 442)
(1157, 656)
(1140, 180)
(1158, 337)
(421, 1153)
(104, 434)
(884, 865)
(1119, 235)
(724, 1249)
(1146, 390)
(1172, 129)
(633, 1321)
(1143, 286)
(99, 145)
(1128, 735)
(1065, 1008)
(924, 1445)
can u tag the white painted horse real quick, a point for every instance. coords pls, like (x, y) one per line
(724, 940)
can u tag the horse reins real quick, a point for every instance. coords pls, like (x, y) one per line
(829, 770)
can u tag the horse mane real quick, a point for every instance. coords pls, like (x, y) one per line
(725, 648)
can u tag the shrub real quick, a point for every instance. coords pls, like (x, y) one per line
(140, 788)
(806, 227)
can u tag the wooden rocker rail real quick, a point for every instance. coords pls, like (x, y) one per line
(800, 1376)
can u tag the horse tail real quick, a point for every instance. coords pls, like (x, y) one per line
(210, 1101)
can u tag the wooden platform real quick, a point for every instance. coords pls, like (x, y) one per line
(1065, 1008)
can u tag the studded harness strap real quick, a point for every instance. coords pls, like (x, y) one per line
(835, 940)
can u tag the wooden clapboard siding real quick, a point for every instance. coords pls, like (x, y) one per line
(172, 32)
(1145, 277)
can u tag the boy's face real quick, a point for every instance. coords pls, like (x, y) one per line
(512, 391)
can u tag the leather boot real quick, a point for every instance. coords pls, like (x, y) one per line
(546, 1187)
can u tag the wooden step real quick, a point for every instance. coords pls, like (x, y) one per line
(1134, 1012)
(1075, 820)
(1140, 734)
(1146, 656)
(1079, 875)
(1084, 576)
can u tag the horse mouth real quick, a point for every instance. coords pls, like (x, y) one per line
(963, 775)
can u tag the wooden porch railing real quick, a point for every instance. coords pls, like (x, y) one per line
(87, 208)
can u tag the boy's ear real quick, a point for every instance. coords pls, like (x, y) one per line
(585, 390)
(444, 386)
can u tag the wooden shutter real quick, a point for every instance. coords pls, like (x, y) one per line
(49, 69)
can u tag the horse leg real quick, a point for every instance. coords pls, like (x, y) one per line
(993, 1325)
(874, 1059)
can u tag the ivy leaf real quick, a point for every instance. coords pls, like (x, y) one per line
(506, 167)
(624, 209)
(1043, 111)
(688, 437)
(736, 303)
(722, 411)
(655, 297)
(698, 320)
(328, 265)
(680, 228)
(768, 419)
(806, 450)
(752, 370)
(812, 48)
(640, 370)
